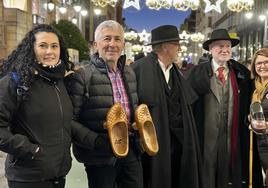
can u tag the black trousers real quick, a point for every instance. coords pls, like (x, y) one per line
(176, 152)
(54, 183)
(125, 173)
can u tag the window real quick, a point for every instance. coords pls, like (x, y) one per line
(19, 4)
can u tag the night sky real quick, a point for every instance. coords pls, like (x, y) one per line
(148, 19)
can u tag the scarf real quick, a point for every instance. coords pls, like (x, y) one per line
(54, 73)
(234, 130)
(259, 91)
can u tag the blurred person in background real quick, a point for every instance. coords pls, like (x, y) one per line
(185, 66)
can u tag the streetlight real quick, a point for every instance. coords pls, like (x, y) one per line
(62, 9)
(97, 11)
(249, 15)
(77, 8)
(74, 20)
(50, 6)
(83, 12)
(262, 17)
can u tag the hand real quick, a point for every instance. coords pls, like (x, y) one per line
(258, 126)
(102, 143)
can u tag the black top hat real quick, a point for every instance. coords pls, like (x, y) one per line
(164, 33)
(220, 34)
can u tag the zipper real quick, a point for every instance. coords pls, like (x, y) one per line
(57, 91)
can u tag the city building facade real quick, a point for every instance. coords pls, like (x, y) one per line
(17, 17)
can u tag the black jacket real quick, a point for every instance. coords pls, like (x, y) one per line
(92, 96)
(43, 120)
(199, 78)
(157, 169)
(263, 139)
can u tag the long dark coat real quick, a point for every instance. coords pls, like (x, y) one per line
(151, 92)
(199, 78)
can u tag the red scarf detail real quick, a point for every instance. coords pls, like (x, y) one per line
(235, 115)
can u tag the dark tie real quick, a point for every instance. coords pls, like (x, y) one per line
(170, 81)
(221, 76)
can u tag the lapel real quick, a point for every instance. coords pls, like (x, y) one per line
(213, 88)
(213, 84)
(150, 82)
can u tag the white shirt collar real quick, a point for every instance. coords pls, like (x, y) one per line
(215, 66)
(165, 70)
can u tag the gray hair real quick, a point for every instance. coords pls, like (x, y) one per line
(108, 24)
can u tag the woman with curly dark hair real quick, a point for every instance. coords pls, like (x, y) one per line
(36, 126)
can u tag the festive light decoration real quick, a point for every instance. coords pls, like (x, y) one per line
(193, 4)
(184, 35)
(133, 3)
(157, 4)
(144, 36)
(197, 37)
(147, 49)
(209, 7)
(239, 5)
(136, 48)
(131, 35)
(181, 5)
(103, 3)
(183, 48)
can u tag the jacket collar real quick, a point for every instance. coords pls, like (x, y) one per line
(232, 64)
(102, 66)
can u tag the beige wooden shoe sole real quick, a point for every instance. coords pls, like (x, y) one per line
(144, 124)
(116, 125)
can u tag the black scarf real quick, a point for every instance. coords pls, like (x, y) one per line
(51, 74)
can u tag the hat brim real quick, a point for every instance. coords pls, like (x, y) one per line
(162, 41)
(206, 44)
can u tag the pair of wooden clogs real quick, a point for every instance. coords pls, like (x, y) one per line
(117, 127)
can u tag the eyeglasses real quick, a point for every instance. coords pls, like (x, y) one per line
(258, 64)
(175, 43)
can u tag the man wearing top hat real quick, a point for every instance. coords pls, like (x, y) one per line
(224, 88)
(162, 87)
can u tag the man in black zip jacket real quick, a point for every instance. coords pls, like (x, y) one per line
(95, 88)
